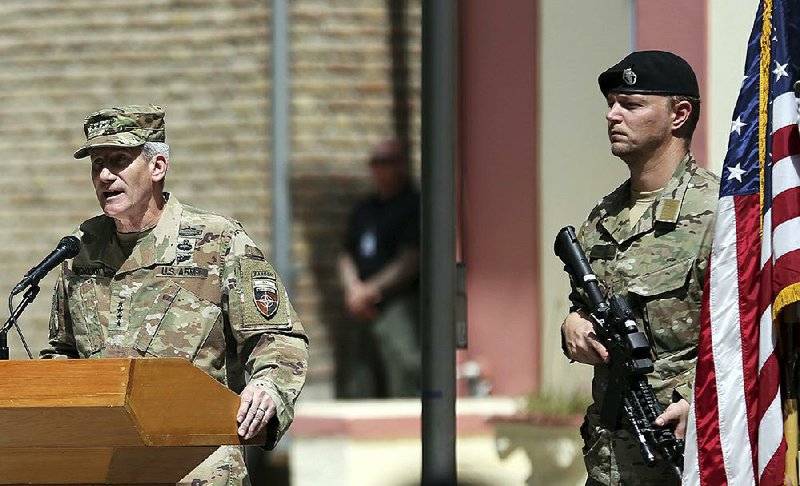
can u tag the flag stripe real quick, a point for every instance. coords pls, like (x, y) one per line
(724, 317)
(784, 109)
(785, 142)
(735, 431)
(702, 442)
(785, 207)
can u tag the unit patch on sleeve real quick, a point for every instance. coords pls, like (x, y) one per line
(265, 293)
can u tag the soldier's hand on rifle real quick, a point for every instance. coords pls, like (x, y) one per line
(581, 342)
(675, 416)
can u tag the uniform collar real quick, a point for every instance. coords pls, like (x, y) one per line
(664, 212)
(158, 247)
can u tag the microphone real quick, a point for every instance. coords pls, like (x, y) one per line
(68, 247)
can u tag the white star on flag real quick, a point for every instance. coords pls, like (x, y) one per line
(736, 172)
(736, 125)
(780, 70)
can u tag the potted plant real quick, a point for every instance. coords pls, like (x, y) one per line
(547, 429)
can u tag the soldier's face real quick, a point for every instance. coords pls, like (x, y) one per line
(638, 124)
(123, 182)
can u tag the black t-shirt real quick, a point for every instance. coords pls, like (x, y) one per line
(379, 229)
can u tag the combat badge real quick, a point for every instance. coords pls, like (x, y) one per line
(188, 237)
(265, 293)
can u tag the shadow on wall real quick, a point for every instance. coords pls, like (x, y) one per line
(321, 207)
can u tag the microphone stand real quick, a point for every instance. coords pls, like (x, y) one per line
(30, 294)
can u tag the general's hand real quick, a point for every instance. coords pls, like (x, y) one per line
(255, 410)
(675, 416)
(581, 341)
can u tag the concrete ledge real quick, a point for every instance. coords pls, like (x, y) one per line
(380, 419)
(357, 442)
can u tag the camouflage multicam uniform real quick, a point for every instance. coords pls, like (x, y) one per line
(659, 265)
(195, 287)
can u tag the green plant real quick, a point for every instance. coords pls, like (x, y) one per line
(557, 404)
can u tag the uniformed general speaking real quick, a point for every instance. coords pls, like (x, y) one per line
(158, 278)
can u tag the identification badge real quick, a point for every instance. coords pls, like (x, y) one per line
(369, 244)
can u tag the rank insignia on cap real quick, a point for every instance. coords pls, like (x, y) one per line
(265, 293)
(629, 76)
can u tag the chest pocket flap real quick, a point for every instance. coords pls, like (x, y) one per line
(176, 324)
(663, 280)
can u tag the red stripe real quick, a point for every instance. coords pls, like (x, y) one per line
(786, 271)
(774, 472)
(748, 250)
(785, 206)
(768, 383)
(785, 142)
(709, 447)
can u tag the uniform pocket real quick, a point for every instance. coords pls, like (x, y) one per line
(177, 324)
(86, 326)
(672, 314)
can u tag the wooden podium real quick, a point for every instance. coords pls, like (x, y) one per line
(110, 421)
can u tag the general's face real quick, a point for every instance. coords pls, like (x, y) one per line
(123, 181)
(638, 124)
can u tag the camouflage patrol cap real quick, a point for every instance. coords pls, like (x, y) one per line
(126, 126)
(650, 72)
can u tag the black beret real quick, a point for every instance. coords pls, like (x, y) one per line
(650, 72)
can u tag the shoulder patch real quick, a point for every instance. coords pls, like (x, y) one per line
(265, 293)
(253, 252)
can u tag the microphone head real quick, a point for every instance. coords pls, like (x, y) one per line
(71, 244)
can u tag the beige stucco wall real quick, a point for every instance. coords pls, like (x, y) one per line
(730, 22)
(578, 41)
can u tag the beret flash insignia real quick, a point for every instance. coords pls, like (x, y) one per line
(629, 76)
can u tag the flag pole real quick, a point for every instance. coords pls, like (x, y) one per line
(789, 355)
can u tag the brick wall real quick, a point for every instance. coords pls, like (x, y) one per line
(207, 63)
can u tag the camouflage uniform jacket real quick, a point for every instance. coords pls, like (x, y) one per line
(659, 265)
(195, 287)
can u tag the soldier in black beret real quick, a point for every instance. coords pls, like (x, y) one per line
(649, 241)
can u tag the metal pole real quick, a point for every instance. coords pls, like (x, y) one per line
(281, 148)
(438, 242)
(257, 459)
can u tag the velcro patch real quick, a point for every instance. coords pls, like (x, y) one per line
(668, 210)
(183, 272)
(602, 252)
(93, 271)
(265, 293)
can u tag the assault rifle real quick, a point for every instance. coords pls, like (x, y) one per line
(629, 398)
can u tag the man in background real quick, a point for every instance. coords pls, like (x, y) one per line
(379, 270)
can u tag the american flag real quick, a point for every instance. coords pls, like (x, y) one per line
(735, 434)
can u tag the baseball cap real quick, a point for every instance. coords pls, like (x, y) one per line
(125, 126)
